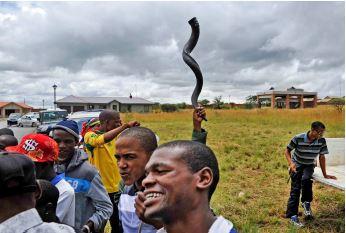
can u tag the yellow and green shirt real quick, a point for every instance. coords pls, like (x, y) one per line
(102, 156)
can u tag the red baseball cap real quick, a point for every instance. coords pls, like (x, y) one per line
(39, 147)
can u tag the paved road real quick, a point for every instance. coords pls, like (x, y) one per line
(19, 132)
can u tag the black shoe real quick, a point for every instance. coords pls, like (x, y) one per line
(307, 210)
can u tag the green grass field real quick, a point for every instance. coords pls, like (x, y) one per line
(250, 145)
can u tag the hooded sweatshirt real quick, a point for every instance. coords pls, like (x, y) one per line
(92, 200)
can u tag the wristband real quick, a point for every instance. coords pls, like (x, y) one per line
(87, 228)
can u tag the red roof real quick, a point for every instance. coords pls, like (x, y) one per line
(22, 105)
(2, 104)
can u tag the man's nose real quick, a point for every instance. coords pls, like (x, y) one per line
(122, 163)
(62, 144)
(148, 181)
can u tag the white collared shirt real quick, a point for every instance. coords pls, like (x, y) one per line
(29, 221)
(65, 209)
(221, 225)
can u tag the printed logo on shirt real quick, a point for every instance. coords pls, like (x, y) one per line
(79, 185)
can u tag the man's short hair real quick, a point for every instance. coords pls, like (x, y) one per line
(49, 193)
(197, 156)
(317, 125)
(107, 114)
(6, 131)
(47, 203)
(145, 136)
(7, 140)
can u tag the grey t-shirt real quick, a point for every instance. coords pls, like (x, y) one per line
(29, 221)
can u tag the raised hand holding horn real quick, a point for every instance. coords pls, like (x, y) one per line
(189, 46)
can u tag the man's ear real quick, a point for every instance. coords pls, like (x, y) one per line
(204, 178)
(38, 192)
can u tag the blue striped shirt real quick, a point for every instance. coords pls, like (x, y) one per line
(306, 152)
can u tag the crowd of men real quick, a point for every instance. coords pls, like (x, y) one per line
(55, 182)
(62, 181)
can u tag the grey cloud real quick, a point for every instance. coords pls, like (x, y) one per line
(114, 48)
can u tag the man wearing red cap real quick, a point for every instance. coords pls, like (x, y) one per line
(44, 151)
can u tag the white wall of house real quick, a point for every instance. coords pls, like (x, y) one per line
(82, 107)
(136, 108)
(73, 107)
(114, 105)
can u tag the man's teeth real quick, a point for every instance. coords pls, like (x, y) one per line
(153, 195)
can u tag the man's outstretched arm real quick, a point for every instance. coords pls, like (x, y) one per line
(322, 159)
(110, 135)
(95, 140)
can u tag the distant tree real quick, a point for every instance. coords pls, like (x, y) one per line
(250, 101)
(204, 102)
(339, 103)
(156, 106)
(218, 104)
(169, 108)
(182, 105)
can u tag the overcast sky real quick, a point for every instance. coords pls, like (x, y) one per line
(118, 48)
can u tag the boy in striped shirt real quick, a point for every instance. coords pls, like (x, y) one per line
(307, 147)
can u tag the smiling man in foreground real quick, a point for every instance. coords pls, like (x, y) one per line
(134, 147)
(181, 178)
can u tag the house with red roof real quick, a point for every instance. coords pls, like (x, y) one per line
(6, 108)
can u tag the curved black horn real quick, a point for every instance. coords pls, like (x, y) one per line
(189, 46)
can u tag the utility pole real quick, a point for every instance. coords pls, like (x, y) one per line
(136, 90)
(54, 87)
(43, 104)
